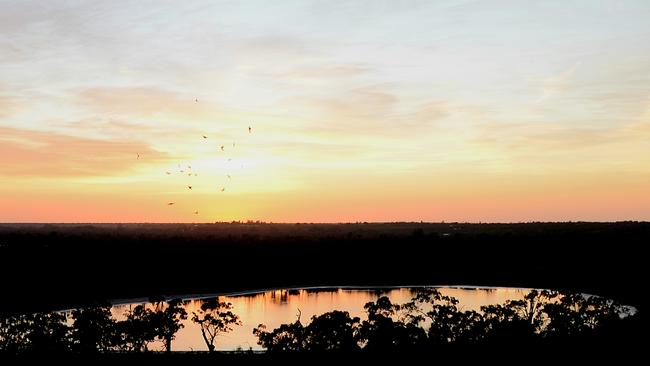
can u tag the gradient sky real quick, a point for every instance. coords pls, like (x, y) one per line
(450, 110)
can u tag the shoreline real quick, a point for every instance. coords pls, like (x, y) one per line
(143, 300)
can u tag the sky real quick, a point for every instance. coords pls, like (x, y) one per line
(448, 110)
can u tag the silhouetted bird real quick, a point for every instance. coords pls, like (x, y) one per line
(170, 203)
(196, 100)
(196, 212)
(138, 156)
(190, 187)
(250, 129)
(168, 173)
(223, 189)
(205, 137)
(222, 148)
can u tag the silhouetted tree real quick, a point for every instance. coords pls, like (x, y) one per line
(382, 332)
(502, 324)
(333, 331)
(38, 332)
(447, 324)
(138, 329)
(12, 333)
(531, 307)
(215, 317)
(286, 338)
(517, 320)
(93, 329)
(575, 314)
(166, 318)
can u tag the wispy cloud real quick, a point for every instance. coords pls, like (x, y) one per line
(326, 72)
(7, 106)
(373, 102)
(143, 102)
(37, 153)
(117, 129)
(556, 83)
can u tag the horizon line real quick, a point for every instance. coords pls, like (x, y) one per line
(260, 222)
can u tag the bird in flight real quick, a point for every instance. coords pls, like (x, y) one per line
(196, 212)
(222, 148)
(138, 156)
(170, 203)
(223, 189)
(168, 173)
(196, 100)
(205, 137)
(250, 129)
(190, 187)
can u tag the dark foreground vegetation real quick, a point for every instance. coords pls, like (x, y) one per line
(429, 323)
(56, 266)
(432, 321)
(93, 329)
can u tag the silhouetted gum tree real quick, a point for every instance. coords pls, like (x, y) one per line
(446, 322)
(215, 318)
(381, 332)
(167, 319)
(332, 331)
(575, 314)
(531, 307)
(502, 324)
(286, 338)
(39, 332)
(93, 329)
(138, 329)
(143, 325)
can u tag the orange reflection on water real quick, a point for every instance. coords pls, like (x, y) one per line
(277, 307)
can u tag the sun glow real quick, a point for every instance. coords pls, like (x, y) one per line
(447, 118)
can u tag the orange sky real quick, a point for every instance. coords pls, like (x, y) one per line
(360, 111)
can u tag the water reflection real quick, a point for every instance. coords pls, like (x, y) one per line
(276, 307)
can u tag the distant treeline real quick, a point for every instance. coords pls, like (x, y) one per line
(427, 323)
(52, 266)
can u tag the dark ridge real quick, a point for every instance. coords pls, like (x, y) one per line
(50, 266)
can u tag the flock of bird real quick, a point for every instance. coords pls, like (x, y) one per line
(191, 173)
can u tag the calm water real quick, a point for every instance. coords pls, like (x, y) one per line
(273, 308)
